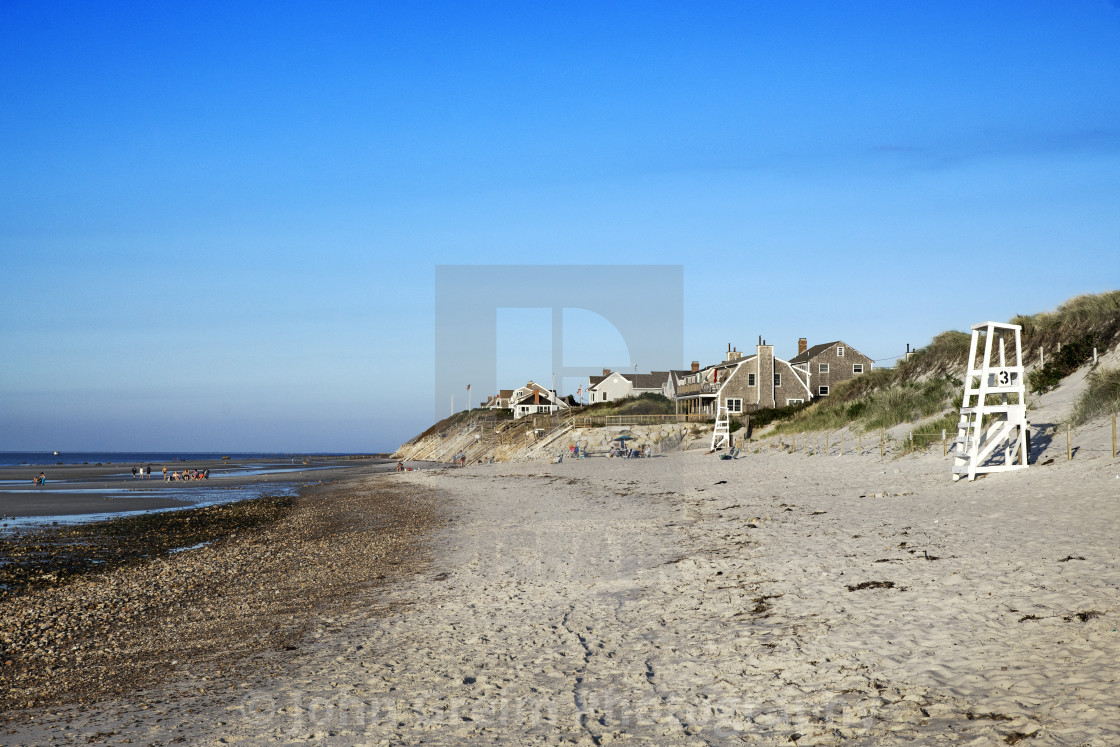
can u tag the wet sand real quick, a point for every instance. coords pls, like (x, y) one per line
(73, 490)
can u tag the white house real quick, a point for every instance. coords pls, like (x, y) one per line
(534, 399)
(615, 385)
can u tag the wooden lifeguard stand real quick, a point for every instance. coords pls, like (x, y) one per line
(992, 436)
(721, 434)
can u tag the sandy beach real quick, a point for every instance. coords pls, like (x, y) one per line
(688, 600)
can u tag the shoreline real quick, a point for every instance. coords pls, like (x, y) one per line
(72, 491)
(232, 608)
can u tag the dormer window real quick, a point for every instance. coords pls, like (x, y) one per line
(839, 351)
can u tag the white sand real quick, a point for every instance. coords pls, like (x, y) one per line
(606, 599)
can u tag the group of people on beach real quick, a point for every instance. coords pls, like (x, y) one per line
(186, 474)
(621, 450)
(41, 479)
(143, 472)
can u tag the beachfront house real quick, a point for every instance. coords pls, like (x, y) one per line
(743, 383)
(830, 363)
(615, 385)
(534, 399)
(499, 401)
(675, 378)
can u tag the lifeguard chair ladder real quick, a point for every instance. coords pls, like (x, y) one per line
(992, 437)
(721, 434)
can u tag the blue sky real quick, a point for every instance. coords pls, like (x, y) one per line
(219, 223)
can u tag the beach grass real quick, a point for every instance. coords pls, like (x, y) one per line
(1102, 397)
(875, 401)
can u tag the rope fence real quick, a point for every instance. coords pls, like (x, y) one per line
(841, 443)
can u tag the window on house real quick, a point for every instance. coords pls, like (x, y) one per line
(734, 405)
(857, 368)
(750, 379)
(794, 401)
(839, 351)
(777, 379)
(822, 368)
(822, 391)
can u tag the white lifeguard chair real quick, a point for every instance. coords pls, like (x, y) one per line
(992, 436)
(721, 434)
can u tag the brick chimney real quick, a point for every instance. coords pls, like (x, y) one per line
(606, 372)
(695, 366)
(802, 345)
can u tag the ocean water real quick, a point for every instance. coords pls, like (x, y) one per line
(193, 496)
(46, 458)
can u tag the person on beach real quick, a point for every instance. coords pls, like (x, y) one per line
(41, 479)
(165, 473)
(400, 466)
(134, 473)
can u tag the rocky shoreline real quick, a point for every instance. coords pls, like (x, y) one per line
(211, 615)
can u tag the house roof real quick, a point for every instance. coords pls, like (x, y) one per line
(814, 352)
(531, 399)
(654, 380)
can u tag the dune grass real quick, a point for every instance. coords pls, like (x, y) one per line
(874, 402)
(1101, 398)
(1094, 315)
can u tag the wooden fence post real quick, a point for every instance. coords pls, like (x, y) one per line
(860, 443)
(1113, 436)
(826, 443)
(1069, 449)
(944, 444)
(841, 443)
(881, 437)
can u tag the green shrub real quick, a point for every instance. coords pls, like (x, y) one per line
(1070, 358)
(1102, 397)
(646, 404)
(766, 416)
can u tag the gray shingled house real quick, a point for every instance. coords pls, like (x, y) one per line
(829, 363)
(744, 383)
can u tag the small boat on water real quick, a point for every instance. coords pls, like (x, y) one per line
(56, 453)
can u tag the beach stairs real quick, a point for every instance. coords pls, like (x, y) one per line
(445, 449)
(562, 428)
(992, 430)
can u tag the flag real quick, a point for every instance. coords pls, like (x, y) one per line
(468, 387)
(579, 390)
(715, 376)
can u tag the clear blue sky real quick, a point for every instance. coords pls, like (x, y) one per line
(219, 222)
